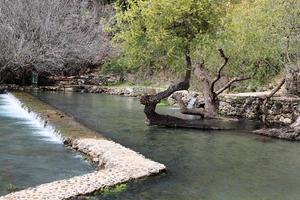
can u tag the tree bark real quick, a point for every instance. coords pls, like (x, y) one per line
(293, 80)
(208, 89)
(150, 101)
(267, 99)
(210, 110)
(291, 132)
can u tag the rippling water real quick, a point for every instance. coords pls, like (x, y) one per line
(223, 165)
(29, 153)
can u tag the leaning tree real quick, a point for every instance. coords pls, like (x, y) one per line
(181, 34)
(169, 33)
(50, 36)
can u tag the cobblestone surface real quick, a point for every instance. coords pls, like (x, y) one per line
(117, 165)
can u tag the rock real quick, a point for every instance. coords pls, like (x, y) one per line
(3, 91)
(285, 133)
(281, 110)
(296, 124)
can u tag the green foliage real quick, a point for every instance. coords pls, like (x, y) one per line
(91, 198)
(256, 36)
(163, 103)
(115, 65)
(157, 34)
(259, 36)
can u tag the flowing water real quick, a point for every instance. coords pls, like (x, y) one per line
(222, 165)
(29, 153)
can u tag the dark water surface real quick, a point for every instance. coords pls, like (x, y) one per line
(29, 153)
(223, 165)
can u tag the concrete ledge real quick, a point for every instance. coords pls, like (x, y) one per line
(115, 163)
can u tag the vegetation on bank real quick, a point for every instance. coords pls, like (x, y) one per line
(239, 41)
(260, 37)
(216, 45)
(51, 37)
(148, 37)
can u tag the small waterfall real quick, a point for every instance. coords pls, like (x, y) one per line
(11, 107)
(191, 103)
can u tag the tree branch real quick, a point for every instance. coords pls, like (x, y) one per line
(276, 89)
(267, 98)
(218, 77)
(237, 79)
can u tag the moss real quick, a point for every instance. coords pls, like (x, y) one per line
(11, 188)
(163, 102)
(68, 127)
(113, 190)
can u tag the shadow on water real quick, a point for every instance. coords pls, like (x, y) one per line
(230, 165)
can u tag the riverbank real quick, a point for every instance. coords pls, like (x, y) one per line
(282, 110)
(115, 164)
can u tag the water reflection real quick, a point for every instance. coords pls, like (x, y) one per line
(225, 165)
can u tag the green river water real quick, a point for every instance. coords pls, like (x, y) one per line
(29, 153)
(215, 165)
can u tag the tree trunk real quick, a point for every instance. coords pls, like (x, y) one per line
(291, 132)
(293, 80)
(210, 98)
(210, 110)
(150, 101)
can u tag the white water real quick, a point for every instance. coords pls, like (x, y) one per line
(12, 107)
(191, 103)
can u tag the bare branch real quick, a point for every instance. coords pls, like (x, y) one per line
(276, 89)
(218, 77)
(267, 98)
(228, 85)
(51, 35)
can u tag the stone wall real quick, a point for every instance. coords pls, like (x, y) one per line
(281, 110)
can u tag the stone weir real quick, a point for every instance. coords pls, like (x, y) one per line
(115, 163)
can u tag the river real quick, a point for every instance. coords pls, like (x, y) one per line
(29, 153)
(213, 165)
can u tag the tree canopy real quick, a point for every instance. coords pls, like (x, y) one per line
(259, 36)
(159, 33)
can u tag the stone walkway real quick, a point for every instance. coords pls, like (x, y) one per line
(115, 163)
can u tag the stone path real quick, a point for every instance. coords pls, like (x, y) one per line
(116, 163)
